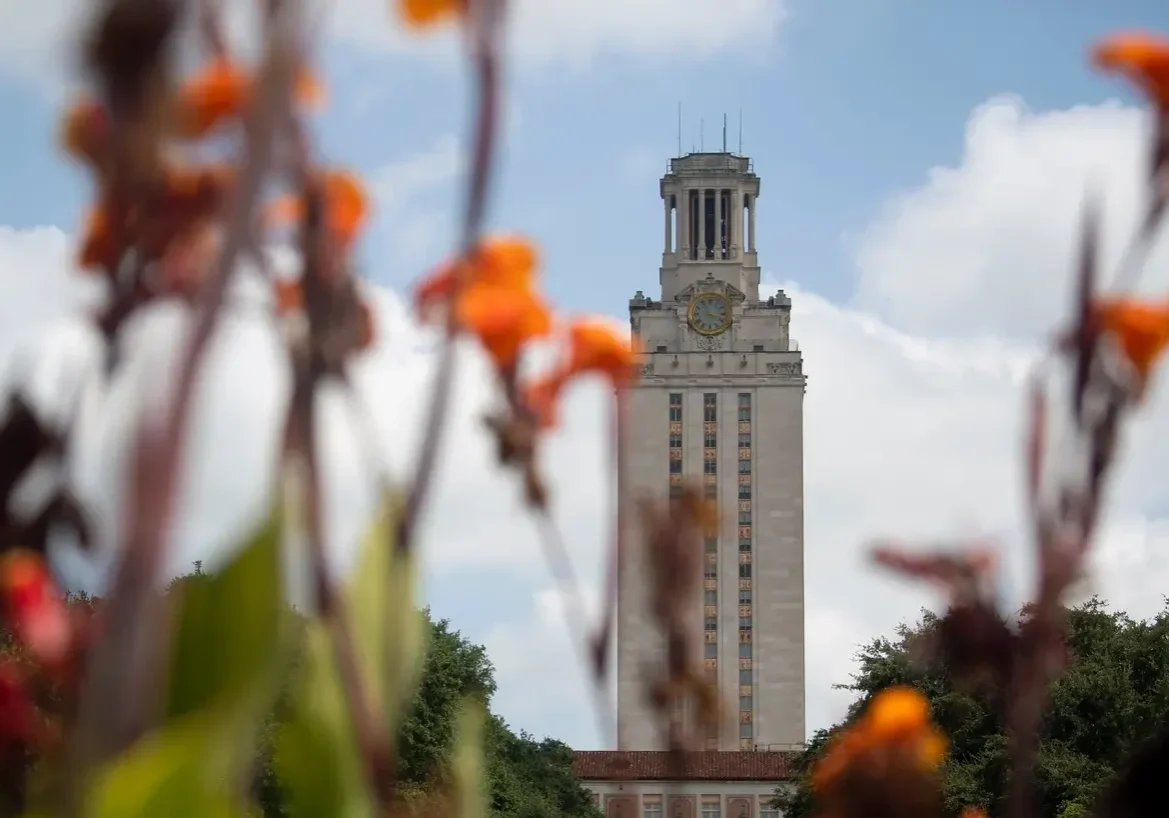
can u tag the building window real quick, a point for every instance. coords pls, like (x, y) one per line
(745, 650)
(744, 441)
(711, 572)
(745, 544)
(710, 467)
(745, 703)
(744, 413)
(745, 596)
(651, 806)
(744, 677)
(711, 545)
(675, 406)
(710, 441)
(744, 467)
(745, 730)
(711, 650)
(676, 440)
(744, 491)
(710, 807)
(744, 518)
(744, 569)
(710, 407)
(768, 811)
(745, 623)
(710, 597)
(712, 623)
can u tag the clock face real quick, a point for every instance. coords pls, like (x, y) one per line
(710, 314)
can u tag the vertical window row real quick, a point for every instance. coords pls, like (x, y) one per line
(710, 557)
(675, 420)
(746, 602)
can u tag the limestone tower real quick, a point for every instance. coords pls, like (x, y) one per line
(721, 402)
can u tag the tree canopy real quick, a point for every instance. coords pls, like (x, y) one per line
(1113, 697)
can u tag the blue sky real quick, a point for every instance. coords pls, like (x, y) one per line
(847, 105)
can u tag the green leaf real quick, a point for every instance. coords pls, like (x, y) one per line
(391, 632)
(176, 772)
(316, 752)
(229, 641)
(228, 635)
(468, 768)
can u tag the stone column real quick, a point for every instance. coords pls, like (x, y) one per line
(718, 223)
(751, 216)
(734, 224)
(682, 208)
(669, 247)
(701, 224)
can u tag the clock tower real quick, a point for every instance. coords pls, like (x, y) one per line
(720, 404)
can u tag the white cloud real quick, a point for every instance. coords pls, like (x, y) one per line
(416, 200)
(988, 246)
(37, 40)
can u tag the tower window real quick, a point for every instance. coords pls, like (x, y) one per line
(744, 467)
(709, 466)
(675, 406)
(710, 441)
(675, 467)
(676, 441)
(710, 408)
(744, 569)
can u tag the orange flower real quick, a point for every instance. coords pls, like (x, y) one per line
(220, 91)
(346, 206)
(897, 721)
(34, 606)
(85, 131)
(1141, 328)
(503, 319)
(541, 396)
(428, 13)
(595, 346)
(1142, 57)
(504, 261)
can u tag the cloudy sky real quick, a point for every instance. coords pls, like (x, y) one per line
(922, 167)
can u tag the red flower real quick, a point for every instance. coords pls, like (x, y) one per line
(34, 606)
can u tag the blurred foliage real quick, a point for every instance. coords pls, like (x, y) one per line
(1112, 698)
(525, 777)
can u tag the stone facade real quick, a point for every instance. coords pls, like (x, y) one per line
(720, 403)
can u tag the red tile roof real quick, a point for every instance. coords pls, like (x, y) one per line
(651, 765)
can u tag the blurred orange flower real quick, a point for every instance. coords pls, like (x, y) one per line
(220, 92)
(429, 13)
(504, 319)
(504, 261)
(596, 346)
(1141, 328)
(895, 722)
(34, 606)
(498, 303)
(1142, 57)
(346, 206)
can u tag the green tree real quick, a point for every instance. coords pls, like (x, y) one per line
(1112, 698)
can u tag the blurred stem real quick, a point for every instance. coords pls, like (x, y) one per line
(124, 681)
(483, 23)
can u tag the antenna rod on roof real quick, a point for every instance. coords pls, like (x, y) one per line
(724, 133)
